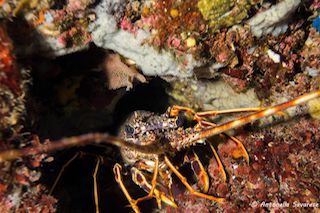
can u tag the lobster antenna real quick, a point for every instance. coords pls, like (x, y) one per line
(78, 140)
(255, 116)
(153, 148)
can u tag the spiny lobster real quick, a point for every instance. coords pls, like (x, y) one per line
(147, 142)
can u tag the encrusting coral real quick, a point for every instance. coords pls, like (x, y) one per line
(19, 186)
(224, 13)
(12, 84)
(282, 173)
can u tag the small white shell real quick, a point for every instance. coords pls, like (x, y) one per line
(274, 56)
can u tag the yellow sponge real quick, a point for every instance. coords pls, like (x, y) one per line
(314, 108)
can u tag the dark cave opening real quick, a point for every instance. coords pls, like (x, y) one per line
(73, 100)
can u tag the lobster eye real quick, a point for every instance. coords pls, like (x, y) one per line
(180, 120)
(129, 129)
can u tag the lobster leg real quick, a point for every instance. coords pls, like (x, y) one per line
(198, 169)
(200, 118)
(202, 122)
(166, 177)
(95, 185)
(188, 186)
(221, 167)
(139, 179)
(241, 152)
(117, 174)
(153, 183)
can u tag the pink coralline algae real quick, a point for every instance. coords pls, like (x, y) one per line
(19, 185)
(126, 25)
(284, 169)
(20, 189)
(11, 83)
(68, 23)
(74, 37)
(178, 26)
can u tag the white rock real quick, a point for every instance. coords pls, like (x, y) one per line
(106, 34)
(313, 72)
(271, 20)
(274, 56)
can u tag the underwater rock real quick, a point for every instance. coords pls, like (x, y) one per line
(211, 95)
(311, 53)
(224, 13)
(273, 19)
(12, 83)
(19, 187)
(283, 167)
(115, 8)
(314, 108)
(170, 39)
(106, 34)
(19, 182)
(51, 28)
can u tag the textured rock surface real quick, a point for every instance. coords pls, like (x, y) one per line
(106, 34)
(212, 95)
(273, 19)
